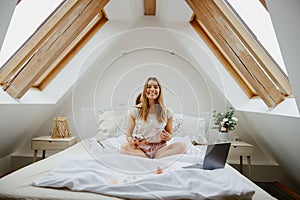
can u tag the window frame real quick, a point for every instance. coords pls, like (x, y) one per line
(55, 42)
(243, 56)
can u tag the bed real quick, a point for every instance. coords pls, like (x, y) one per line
(94, 169)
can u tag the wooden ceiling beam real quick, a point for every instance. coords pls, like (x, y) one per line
(221, 56)
(59, 64)
(224, 35)
(72, 24)
(33, 43)
(264, 85)
(258, 52)
(263, 2)
(150, 7)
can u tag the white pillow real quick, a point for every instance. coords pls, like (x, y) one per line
(193, 127)
(111, 123)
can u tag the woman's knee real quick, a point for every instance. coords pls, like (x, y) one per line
(124, 148)
(177, 147)
(180, 147)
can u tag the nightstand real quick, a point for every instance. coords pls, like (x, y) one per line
(47, 143)
(240, 148)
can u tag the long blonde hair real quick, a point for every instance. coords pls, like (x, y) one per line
(159, 105)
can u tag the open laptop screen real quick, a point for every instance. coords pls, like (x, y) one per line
(216, 156)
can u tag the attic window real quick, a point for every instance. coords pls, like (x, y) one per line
(239, 50)
(51, 46)
(261, 29)
(31, 12)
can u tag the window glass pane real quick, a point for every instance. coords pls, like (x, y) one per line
(27, 17)
(257, 18)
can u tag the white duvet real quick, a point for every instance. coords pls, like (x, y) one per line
(105, 171)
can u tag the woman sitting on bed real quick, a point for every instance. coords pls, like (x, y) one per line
(153, 123)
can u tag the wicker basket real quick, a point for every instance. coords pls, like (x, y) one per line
(61, 128)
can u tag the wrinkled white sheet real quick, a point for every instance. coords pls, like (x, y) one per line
(105, 171)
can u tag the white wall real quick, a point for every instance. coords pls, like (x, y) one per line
(285, 18)
(115, 78)
(18, 124)
(279, 136)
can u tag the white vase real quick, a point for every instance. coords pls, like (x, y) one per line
(223, 137)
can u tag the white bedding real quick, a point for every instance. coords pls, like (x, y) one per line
(115, 175)
(105, 171)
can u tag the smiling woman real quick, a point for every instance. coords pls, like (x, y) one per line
(152, 120)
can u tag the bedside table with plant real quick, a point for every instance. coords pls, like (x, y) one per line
(226, 122)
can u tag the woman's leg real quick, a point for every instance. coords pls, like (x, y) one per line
(129, 150)
(172, 149)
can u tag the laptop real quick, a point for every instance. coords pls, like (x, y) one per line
(215, 157)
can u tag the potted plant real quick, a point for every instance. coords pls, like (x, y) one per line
(225, 122)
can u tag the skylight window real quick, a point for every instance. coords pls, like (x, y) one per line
(27, 17)
(242, 50)
(51, 45)
(257, 18)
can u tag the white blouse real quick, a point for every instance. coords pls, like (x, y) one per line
(151, 128)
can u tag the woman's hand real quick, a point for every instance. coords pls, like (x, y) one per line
(139, 142)
(166, 136)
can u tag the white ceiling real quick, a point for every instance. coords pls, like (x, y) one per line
(167, 11)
